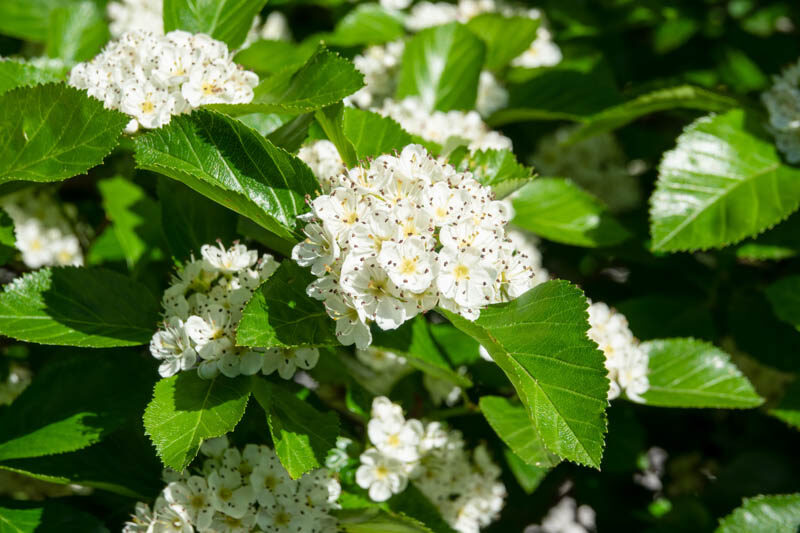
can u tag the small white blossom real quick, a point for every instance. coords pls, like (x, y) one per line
(491, 95)
(131, 15)
(276, 28)
(782, 101)
(287, 360)
(566, 517)
(380, 65)
(381, 475)
(324, 160)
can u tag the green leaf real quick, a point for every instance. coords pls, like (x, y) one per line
(52, 132)
(29, 19)
(414, 504)
(558, 94)
(540, 342)
(224, 20)
(505, 37)
(302, 435)
(373, 134)
(99, 465)
(7, 239)
(784, 296)
(528, 476)
(326, 78)
(73, 402)
(723, 182)
(43, 517)
(693, 373)
(680, 97)
(233, 165)
(375, 520)
(77, 33)
(780, 242)
(442, 65)
(560, 211)
(414, 342)
(775, 513)
(460, 348)
(71, 306)
(290, 136)
(788, 409)
(268, 57)
(135, 217)
(19, 74)
(280, 313)
(498, 169)
(367, 24)
(186, 410)
(190, 220)
(331, 120)
(513, 426)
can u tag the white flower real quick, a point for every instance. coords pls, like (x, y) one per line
(380, 65)
(191, 499)
(465, 277)
(271, 482)
(228, 493)
(382, 475)
(319, 250)
(287, 360)
(276, 28)
(566, 516)
(443, 391)
(141, 521)
(393, 435)
(172, 345)
(234, 259)
(543, 52)
(409, 264)
(626, 362)
(130, 15)
(782, 101)
(380, 360)
(491, 95)
(169, 519)
(324, 160)
(395, 4)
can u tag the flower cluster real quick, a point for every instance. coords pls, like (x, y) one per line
(397, 237)
(444, 127)
(240, 491)
(380, 65)
(626, 362)
(543, 52)
(566, 517)
(133, 15)
(153, 77)
(597, 164)
(466, 489)
(42, 229)
(203, 307)
(324, 160)
(782, 101)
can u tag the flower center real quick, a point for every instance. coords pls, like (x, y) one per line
(147, 106)
(381, 472)
(461, 273)
(408, 265)
(225, 494)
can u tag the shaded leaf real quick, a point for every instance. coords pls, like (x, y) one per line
(775, 513)
(186, 410)
(414, 504)
(780, 242)
(442, 65)
(512, 425)
(191, 220)
(290, 136)
(224, 20)
(784, 296)
(57, 415)
(372, 134)
(52, 132)
(540, 342)
(42, 517)
(788, 409)
(723, 182)
(680, 97)
(301, 434)
(71, 306)
(367, 24)
(331, 120)
(528, 476)
(560, 211)
(506, 37)
(233, 165)
(7, 239)
(280, 313)
(692, 373)
(375, 520)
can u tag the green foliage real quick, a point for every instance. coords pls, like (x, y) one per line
(71, 306)
(225, 20)
(512, 425)
(331, 120)
(788, 409)
(52, 132)
(29, 19)
(18, 74)
(374, 520)
(76, 33)
(539, 340)
(30, 517)
(281, 314)
(372, 134)
(723, 182)
(442, 65)
(784, 295)
(505, 37)
(560, 211)
(186, 410)
(323, 80)
(498, 169)
(367, 24)
(692, 373)
(681, 97)
(57, 415)
(779, 513)
(231, 164)
(528, 476)
(271, 57)
(302, 435)
(7, 238)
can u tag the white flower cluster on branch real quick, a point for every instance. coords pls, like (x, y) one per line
(464, 487)
(782, 101)
(566, 517)
(324, 160)
(42, 229)
(402, 234)
(441, 127)
(152, 77)
(238, 492)
(626, 362)
(203, 307)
